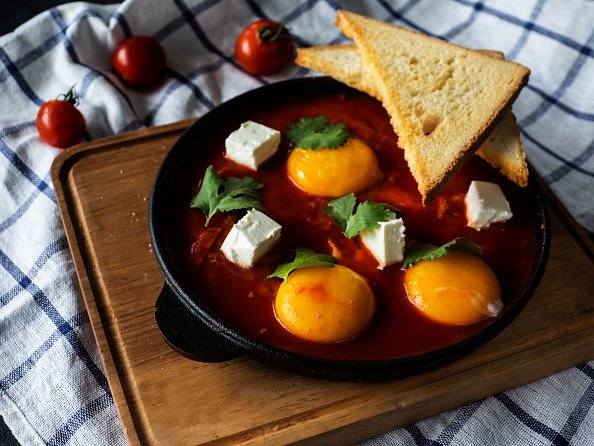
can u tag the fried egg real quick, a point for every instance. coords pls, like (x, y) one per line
(459, 288)
(324, 304)
(326, 172)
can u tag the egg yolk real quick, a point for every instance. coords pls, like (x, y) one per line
(459, 288)
(324, 304)
(326, 172)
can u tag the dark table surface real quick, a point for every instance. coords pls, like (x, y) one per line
(16, 12)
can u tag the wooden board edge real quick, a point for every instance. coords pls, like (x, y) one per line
(59, 172)
(577, 232)
(60, 169)
(351, 431)
(67, 158)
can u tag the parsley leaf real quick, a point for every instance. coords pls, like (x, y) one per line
(236, 193)
(303, 259)
(341, 210)
(429, 252)
(315, 133)
(367, 216)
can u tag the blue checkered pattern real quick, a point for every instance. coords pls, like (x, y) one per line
(52, 386)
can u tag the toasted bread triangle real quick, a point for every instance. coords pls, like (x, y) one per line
(443, 99)
(502, 148)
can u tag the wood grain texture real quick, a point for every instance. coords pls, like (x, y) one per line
(163, 398)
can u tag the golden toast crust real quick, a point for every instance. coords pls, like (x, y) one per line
(439, 95)
(502, 148)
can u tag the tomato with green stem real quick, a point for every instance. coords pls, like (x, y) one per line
(59, 122)
(264, 47)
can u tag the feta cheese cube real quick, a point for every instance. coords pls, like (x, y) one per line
(386, 243)
(252, 144)
(250, 238)
(485, 205)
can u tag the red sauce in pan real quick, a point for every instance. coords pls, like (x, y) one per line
(244, 298)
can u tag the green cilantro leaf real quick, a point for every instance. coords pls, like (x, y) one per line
(207, 197)
(367, 216)
(315, 133)
(341, 210)
(423, 251)
(236, 193)
(303, 259)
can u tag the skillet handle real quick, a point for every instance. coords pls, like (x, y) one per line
(187, 334)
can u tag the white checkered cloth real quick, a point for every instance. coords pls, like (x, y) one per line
(52, 386)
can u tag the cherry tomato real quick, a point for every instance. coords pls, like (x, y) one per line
(140, 61)
(59, 122)
(264, 47)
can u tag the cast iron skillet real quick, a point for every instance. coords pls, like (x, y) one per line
(197, 333)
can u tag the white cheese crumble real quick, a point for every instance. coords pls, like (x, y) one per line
(250, 238)
(485, 205)
(386, 243)
(252, 144)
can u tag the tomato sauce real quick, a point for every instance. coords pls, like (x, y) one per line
(245, 298)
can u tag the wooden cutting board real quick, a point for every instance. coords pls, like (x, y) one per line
(162, 398)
